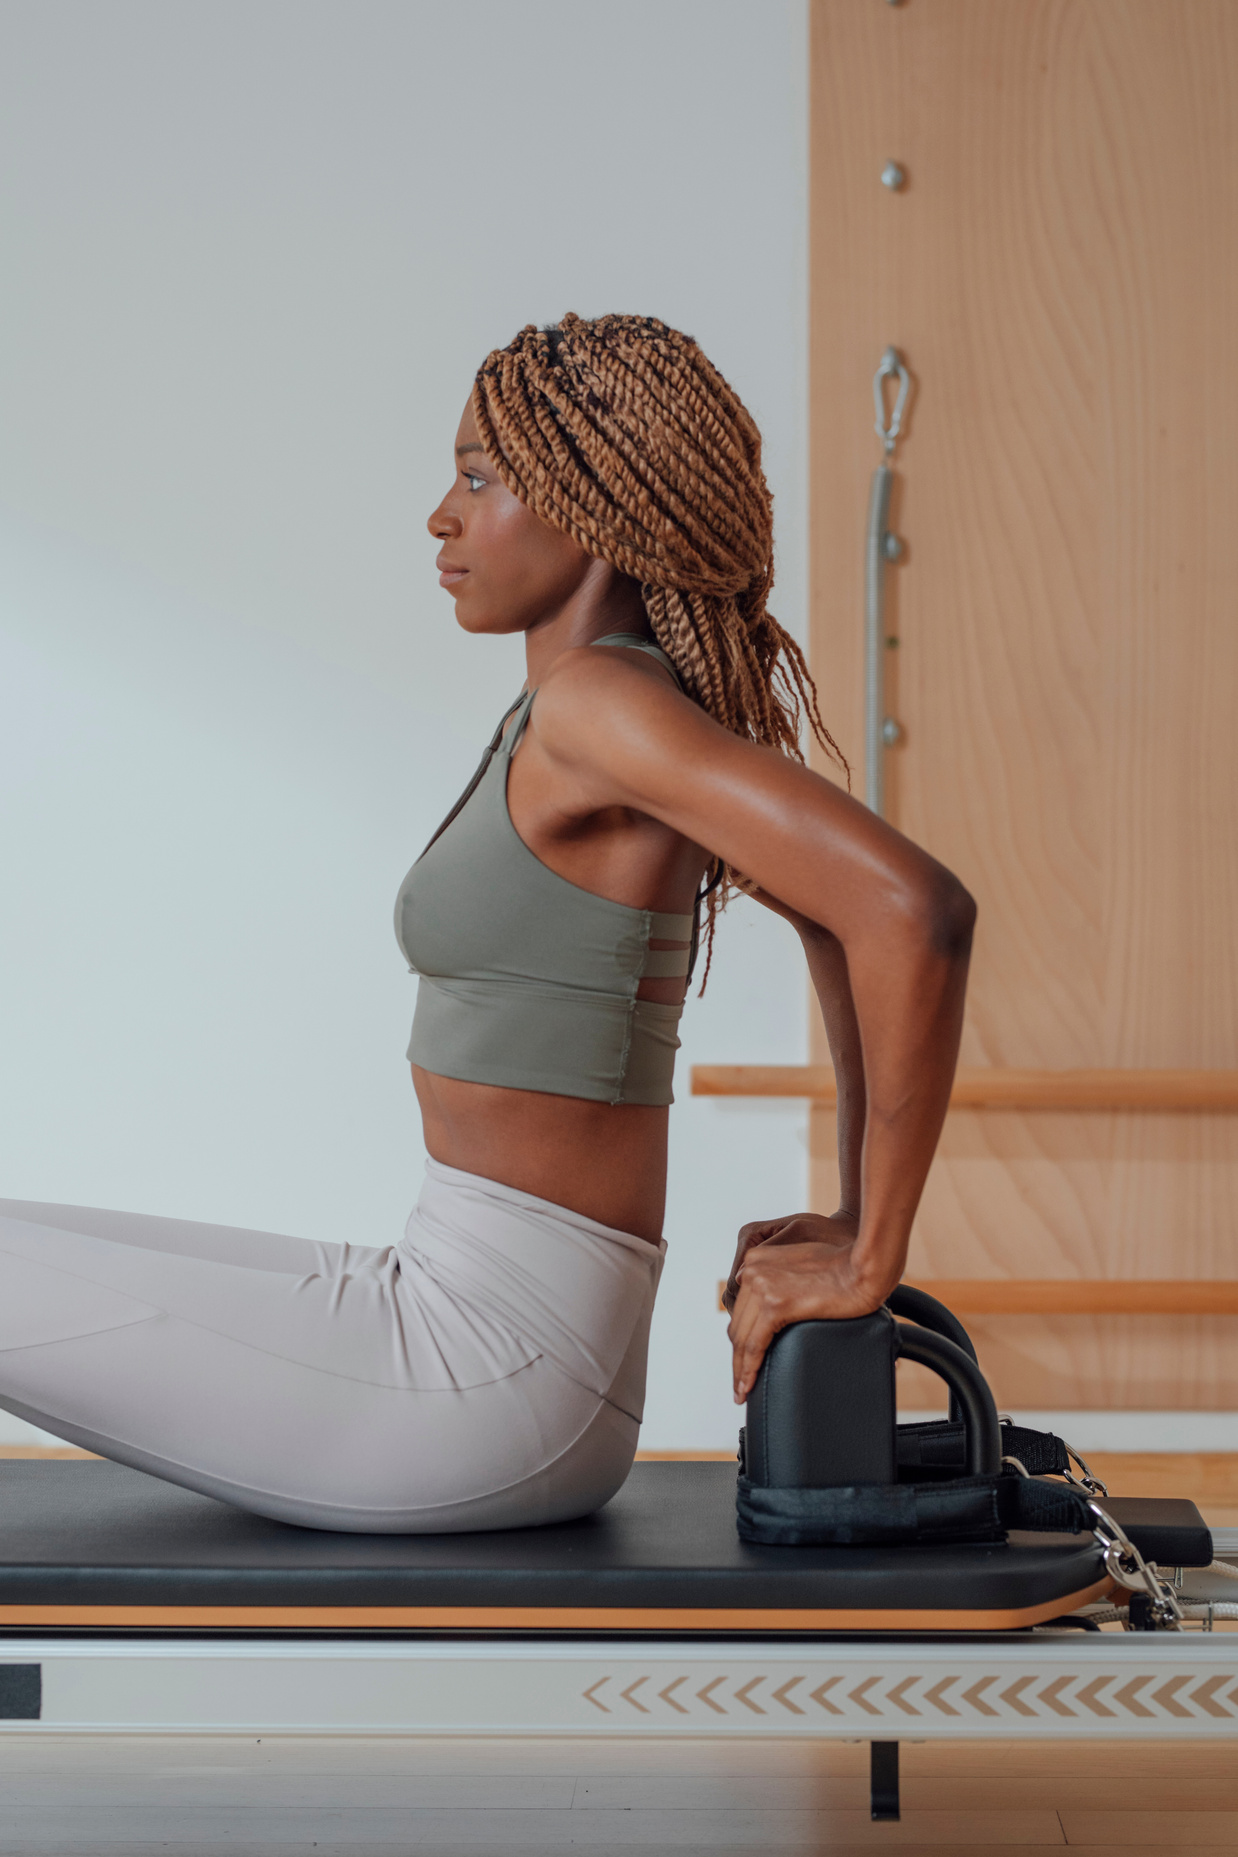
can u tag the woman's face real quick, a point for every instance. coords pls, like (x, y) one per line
(505, 568)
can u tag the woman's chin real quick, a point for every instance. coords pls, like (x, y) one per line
(497, 625)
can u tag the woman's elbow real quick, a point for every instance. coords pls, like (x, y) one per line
(950, 919)
(939, 914)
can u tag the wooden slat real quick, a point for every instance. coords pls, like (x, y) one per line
(1083, 1296)
(993, 1088)
(1076, 1296)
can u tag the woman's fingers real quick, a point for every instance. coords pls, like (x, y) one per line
(753, 1326)
(749, 1235)
(767, 1301)
(783, 1284)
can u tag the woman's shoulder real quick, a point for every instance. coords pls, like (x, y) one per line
(626, 674)
(589, 693)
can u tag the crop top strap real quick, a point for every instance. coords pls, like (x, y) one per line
(515, 735)
(668, 963)
(635, 642)
(520, 712)
(475, 782)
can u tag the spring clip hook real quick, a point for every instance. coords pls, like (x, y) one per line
(1127, 1567)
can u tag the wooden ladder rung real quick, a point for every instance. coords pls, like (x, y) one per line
(1078, 1296)
(997, 1088)
(1084, 1296)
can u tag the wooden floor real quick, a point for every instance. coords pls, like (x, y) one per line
(399, 1797)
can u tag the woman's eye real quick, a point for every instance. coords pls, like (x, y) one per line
(473, 481)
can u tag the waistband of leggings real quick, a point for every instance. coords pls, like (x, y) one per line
(563, 1216)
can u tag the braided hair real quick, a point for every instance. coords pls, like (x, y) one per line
(620, 433)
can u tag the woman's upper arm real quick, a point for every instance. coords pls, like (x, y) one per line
(787, 828)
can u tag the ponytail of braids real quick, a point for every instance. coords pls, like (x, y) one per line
(621, 433)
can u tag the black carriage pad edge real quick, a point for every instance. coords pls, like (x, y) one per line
(85, 1534)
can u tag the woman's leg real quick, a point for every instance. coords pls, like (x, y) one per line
(319, 1396)
(228, 1244)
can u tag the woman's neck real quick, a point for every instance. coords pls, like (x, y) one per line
(605, 602)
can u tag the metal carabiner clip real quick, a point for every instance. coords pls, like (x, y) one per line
(891, 364)
(1091, 1484)
(1127, 1567)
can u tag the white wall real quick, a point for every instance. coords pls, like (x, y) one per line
(253, 252)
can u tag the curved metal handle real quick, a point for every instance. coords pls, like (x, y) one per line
(918, 1306)
(925, 1310)
(981, 1427)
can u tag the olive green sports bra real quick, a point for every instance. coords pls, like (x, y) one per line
(526, 980)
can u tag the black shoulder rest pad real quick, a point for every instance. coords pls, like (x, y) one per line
(1166, 1529)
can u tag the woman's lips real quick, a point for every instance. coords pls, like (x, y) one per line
(448, 575)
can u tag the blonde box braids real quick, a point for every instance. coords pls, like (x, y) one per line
(620, 433)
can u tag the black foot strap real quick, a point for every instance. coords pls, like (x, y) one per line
(889, 1514)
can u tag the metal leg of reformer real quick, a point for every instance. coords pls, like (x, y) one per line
(883, 1778)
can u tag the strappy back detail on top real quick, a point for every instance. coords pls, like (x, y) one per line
(526, 980)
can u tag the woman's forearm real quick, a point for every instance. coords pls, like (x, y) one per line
(827, 969)
(909, 1008)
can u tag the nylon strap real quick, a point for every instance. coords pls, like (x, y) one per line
(939, 1446)
(887, 1514)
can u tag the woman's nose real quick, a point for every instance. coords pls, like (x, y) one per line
(443, 524)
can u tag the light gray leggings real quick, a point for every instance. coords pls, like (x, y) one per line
(486, 1372)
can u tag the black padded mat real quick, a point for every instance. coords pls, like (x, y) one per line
(79, 1532)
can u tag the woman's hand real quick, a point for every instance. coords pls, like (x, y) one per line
(796, 1228)
(797, 1269)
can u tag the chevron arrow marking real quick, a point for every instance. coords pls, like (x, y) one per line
(1090, 1697)
(741, 1695)
(666, 1696)
(783, 1695)
(857, 1695)
(975, 1695)
(896, 1695)
(1128, 1696)
(1204, 1696)
(629, 1697)
(1052, 1695)
(1014, 1697)
(819, 1695)
(937, 1696)
(590, 1695)
(1166, 1697)
(703, 1695)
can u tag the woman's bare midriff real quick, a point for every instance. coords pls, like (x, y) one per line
(605, 1161)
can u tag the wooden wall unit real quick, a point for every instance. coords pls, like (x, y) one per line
(1060, 272)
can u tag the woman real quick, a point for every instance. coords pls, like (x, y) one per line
(488, 1371)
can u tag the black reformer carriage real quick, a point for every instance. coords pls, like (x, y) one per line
(856, 1538)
